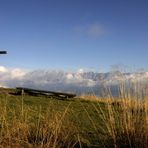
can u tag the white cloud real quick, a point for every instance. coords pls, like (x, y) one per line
(7, 75)
(91, 30)
(96, 30)
(69, 76)
(3, 69)
(81, 70)
(17, 73)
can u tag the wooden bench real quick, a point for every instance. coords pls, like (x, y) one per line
(30, 91)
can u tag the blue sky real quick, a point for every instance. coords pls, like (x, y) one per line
(73, 34)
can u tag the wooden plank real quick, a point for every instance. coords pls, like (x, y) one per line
(59, 94)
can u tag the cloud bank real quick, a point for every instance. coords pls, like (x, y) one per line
(45, 79)
(77, 82)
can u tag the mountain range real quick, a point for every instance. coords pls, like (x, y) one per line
(79, 82)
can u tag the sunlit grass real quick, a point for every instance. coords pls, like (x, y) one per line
(87, 121)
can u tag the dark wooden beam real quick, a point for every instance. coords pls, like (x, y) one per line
(3, 52)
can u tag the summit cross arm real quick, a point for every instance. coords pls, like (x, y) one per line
(3, 52)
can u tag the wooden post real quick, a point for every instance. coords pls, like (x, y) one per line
(22, 92)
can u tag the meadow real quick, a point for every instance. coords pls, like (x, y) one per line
(87, 121)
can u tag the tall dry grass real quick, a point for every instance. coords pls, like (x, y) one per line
(124, 119)
(25, 127)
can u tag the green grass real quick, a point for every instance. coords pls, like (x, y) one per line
(39, 121)
(80, 116)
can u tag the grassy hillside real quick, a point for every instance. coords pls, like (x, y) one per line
(39, 121)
